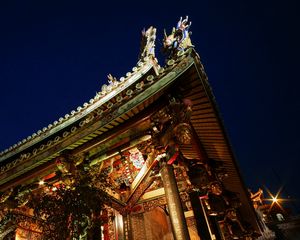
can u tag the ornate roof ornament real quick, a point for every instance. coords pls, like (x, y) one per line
(112, 84)
(148, 43)
(179, 39)
(112, 80)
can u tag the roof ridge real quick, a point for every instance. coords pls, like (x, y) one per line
(147, 55)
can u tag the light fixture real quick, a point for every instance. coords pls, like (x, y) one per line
(41, 182)
(274, 199)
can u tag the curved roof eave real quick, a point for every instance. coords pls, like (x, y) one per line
(146, 61)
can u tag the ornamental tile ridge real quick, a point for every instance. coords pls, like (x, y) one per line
(99, 99)
(135, 88)
(146, 61)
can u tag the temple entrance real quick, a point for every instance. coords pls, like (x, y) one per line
(152, 225)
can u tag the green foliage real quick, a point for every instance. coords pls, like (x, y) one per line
(72, 211)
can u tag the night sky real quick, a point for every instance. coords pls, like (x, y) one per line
(55, 55)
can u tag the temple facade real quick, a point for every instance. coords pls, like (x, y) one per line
(152, 141)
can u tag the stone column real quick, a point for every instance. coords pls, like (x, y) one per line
(176, 213)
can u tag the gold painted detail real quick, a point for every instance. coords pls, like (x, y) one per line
(166, 78)
(178, 41)
(172, 122)
(148, 43)
(24, 221)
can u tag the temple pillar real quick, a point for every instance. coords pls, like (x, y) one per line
(126, 227)
(179, 226)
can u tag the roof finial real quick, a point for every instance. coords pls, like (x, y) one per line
(179, 39)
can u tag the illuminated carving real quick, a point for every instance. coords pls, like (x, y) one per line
(171, 124)
(4, 196)
(136, 157)
(179, 39)
(234, 227)
(198, 175)
(148, 42)
(183, 133)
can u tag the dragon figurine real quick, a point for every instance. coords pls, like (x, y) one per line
(179, 39)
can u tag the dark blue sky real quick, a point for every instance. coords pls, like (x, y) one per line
(54, 56)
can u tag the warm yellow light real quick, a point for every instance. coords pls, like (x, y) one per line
(274, 199)
(41, 182)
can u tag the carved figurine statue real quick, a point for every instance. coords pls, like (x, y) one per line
(112, 81)
(217, 200)
(148, 42)
(198, 175)
(179, 39)
(183, 26)
(220, 199)
(234, 226)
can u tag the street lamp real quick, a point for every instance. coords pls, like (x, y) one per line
(275, 200)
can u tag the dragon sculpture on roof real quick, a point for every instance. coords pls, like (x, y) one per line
(179, 39)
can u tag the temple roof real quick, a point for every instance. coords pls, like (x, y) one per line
(120, 100)
(108, 91)
(123, 106)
